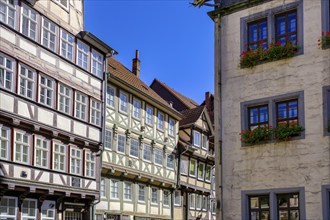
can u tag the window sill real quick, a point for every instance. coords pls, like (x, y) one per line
(302, 136)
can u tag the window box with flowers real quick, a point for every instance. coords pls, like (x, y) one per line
(276, 51)
(324, 41)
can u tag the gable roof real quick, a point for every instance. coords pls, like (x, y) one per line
(191, 115)
(122, 74)
(189, 103)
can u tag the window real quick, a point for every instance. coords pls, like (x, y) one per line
(208, 173)
(4, 142)
(59, 157)
(114, 189)
(171, 127)
(49, 34)
(170, 161)
(82, 55)
(213, 207)
(70, 215)
(158, 156)
(149, 114)
(22, 147)
(46, 91)
(29, 24)
(259, 207)
(287, 112)
(197, 139)
(48, 210)
(147, 152)
(154, 195)
(67, 45)
(108, 139)
(123, 102)
(8, 12)
(29, 209)
(81, 105)
(205, 203)
(325, 7)
(286, 27)
(64, 98)
(177, 198)
(326, 201)
(326, 110)
(90, 164)
(258, 117)
(95, 112)
(205, 142)
(134, 148)
(26, 79)
(198, 202)
(136, 108)
(75, 161)
(97, 63)
(192, 167)
(192, 201)
(127, 191)
(166, 195)
(121, 143)
(184, 165)
(63, 3)
(288, 206)
(160, 121)
(102, 188)
(110, 96)
(8, 208)
(141, 193)
(201, 171)
(257, 34)
(41, 152)
(6, 72)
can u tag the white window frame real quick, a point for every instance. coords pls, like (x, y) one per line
(177, 198)
(124, 143)
(83, 50)
(43, 148)
(149, 117)
(95, 112)
(213, 207)
(196, 165)
(30, 21)
(8, 7)
(43, 95)
(97, 63)
(199, 201)
(6, 72)
(203, 173)
(154, 192)
(208, 179)
(67, 45)
(132, 151)
(59, 156)
(60, 3)
(127, 191)
(147, 146)
(26, 81)
(48, 32)
(184, 162)
(197, 139)
(108, 139)
(103, 191)
(64, 99)
(205, 142)
(114, 186)
(21, 146)
(75, 160)
(136, 109)
(205, 200)
(171, 127)
(170, 162)
(81, 106)
(158, 156)
(7, 215)
(123, 104)
(49, 210)
(192, 201)
(160, 120)
(29, 217)
(90, 161)
(166, 198)
(111, 91)
(5, 142)
(141, 193)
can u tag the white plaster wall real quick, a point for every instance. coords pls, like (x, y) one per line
(6, 102)
(298, 163)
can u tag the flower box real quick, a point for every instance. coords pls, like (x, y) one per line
(285, 132)
(324, 42)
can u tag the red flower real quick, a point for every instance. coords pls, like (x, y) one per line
(328, 33)
(278, 43)
(322, 33)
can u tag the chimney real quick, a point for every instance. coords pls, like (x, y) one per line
(136, 64)
(207, 100)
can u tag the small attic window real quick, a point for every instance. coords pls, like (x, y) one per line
(63, 3)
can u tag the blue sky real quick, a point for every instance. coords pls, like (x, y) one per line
(175, 40)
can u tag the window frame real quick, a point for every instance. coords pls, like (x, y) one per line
(160, 153)
(166, 198)
(177, 203)
(136, 111)
(149, 117)
(110, 101)
(52, 209)
(287, 119)
(208, 179)
(6, 140)
(288, 208)
(35, 209)
(205, 142)
(80, 106)
(172, 161)
(160, 122)
(147, 146)
(143, 194)
(61, 5)
(7, 207)
(76, 167)
(199, 201)
(203, 172)
(131, 153)
(46, 90)
(108, 139)
(187, 162)
(28, 17)
(95, 112)
(90, 164)
(195, 169)
(325, 14)
(7, 71)
(26, 79)
(171, 127)
(124, 142)
(65, 97)
(27, 145)
(66, 41)
(80, 50)
(258, 124)
(42, 149)
(196, 134)
(192, 197)
(103, 190)
(154, 192)
(127, 191)
(287, 34)
(258, 209)
(60, 155)
(98, 69)
(114, 187)
(50, 33)
(123, 104)
(259, 41)
(7, 8)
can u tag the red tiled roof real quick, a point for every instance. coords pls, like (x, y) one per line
(191, 115)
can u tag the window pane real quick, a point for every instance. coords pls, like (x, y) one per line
(281, 110)
(263, 30)
(254, 202)
(292, 20)
(293, 109)
(264, 114)
(254, 115)
(280, 25)
(253, 33)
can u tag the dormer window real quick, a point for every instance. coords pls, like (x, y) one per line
(197, 138)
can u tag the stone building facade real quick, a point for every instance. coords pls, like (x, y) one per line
(273, 179)
(51, 107)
